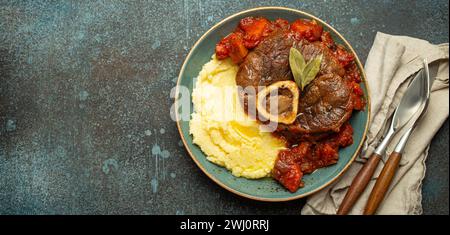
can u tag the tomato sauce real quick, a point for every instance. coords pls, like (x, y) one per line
(308, 156)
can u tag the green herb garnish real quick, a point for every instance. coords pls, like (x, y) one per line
(303, 72)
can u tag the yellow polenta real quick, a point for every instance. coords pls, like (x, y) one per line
(221, 128)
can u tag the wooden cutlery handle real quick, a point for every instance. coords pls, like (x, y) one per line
(383, 183)
(359, 183)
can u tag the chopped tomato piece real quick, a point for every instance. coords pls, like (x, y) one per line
(357, 96)
(301, 151)
(345, 135)
(238, 50)
(321, 154)
(288, 169)
(353, 73)
(223, 48)
(327, 40)
(306, 29)
(281, 23)
(232, 46)
(358, 102)
(287, 172)
(343, 56)
(328, 153)
(357, 89)
(254, 28)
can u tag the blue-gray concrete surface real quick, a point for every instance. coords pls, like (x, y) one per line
(84, 102)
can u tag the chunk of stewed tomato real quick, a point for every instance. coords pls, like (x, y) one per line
(306, 29)
(345, 136)
(358, 102)
(223, 48)
(327, 40)
(232, 46)
(238, 50)
(344, 57)
(254, 29)
(353, 73)
(357, 89)
(287, 171)
(281, 23)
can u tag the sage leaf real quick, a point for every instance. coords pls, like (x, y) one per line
(310, 71)
(297, 64)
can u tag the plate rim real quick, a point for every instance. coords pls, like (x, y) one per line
(217, 181)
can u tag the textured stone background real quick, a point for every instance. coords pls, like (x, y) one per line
(84, 102)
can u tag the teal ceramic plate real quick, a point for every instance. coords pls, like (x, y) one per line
(265, 189)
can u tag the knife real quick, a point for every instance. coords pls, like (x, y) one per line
(408, 106)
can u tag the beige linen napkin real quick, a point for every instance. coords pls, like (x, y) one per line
(390, 65)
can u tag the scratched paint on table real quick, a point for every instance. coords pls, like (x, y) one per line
(160, 156)
(11, 125)
(354, 21)
(83, 95)
(110, 165)
(148, 132)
